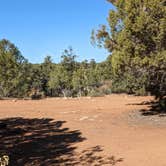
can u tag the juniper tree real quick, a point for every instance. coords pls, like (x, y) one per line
(12, 70)
(136, 39)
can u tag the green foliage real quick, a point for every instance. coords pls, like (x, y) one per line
(35, 77)
(61, 76)
(79, 80)
(136, 38)
(96, 93)
(46, 68)
(12, 70)
(59, 80)
(86, 78)
(18, 78)
(68, 60)
(36, 94)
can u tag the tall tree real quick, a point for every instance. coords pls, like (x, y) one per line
(46, 68)
(12, 70)
(68, 61)
(61, 76)
(59, 81)
(136, 38)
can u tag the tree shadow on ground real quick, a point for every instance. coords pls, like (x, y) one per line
(156, 107)
(43, 142)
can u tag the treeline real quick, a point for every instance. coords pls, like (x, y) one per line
(136, 40)
(19, 78)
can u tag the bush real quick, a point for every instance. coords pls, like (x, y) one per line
(141, 92)
(96, 93)
(36, 94)
(106, 87)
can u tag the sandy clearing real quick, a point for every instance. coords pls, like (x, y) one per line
(103, 122)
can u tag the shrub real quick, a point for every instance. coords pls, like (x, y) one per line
(96, 93)
(36, 94)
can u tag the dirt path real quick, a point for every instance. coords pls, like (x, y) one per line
(108, 123)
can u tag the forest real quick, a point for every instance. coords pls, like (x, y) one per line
(136, 40)
(84, 112)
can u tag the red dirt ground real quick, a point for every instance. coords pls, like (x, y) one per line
(103, 121)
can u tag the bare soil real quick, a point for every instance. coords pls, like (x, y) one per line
(110, 130)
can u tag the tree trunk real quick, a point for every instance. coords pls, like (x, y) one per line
(64, 94)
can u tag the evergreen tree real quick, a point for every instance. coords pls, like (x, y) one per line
(59, 81)
(136, 38)
(12, 70)
(46, 68)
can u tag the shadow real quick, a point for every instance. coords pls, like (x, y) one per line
(142, 103)
(92, 156)
(43, 142)
(36, 141)
(156, 107)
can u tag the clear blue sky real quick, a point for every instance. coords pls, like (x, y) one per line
(47, 27)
